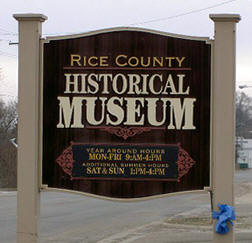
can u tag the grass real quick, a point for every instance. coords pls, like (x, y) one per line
(242, 222)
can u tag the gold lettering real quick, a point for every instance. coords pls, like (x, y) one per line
(75, 58)
(103, 61)
(135, 60)
(91, 156)
(117, 61)
(95, 170)
(170, 60)
(104, 171)
(142, 62)
(116, 171)
(84, 61)
(159, 60)
(180, 60)
(93, 64)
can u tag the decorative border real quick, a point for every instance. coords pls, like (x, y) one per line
(126, 132)
(47, 39)
(185, 163)
(65, 161)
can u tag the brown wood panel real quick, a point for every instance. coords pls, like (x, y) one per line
(131, 43)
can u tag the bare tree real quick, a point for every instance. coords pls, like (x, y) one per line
(8, 153)
(8, 120)
(243, 115)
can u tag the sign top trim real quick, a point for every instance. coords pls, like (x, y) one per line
(90, 33)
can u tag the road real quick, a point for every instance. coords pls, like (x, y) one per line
(73, 218)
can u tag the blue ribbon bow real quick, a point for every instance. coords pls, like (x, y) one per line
(226, 214)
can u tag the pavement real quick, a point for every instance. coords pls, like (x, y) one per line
(180, 219)
(194, 226)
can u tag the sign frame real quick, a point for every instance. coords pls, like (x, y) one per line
(207, 40)
(29, 130)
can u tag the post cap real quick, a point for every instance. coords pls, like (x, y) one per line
(30, 17)
(225, 17)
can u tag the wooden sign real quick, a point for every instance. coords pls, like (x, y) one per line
(126, 113)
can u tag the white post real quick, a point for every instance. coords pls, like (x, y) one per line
(28, 204)
(223, 96)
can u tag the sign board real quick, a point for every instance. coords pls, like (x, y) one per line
(126, 112)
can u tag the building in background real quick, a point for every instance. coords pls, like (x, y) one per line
(244, 152)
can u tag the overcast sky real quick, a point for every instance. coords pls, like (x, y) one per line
(75, 16)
